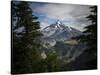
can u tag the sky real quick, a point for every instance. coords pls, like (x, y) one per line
(69, 14)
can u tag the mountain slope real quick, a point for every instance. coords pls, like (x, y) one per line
(59, 37)
(58, 32)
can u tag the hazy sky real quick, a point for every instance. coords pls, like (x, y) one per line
(70, 14)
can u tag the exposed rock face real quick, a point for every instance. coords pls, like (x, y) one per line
(58, 32)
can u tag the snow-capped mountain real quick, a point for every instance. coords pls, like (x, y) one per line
(58, 32)
(59, 37)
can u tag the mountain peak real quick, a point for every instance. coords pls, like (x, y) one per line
(58, 22)
(60, 31)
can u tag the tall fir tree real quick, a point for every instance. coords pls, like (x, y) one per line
(90, 39)
(88, 59)
(91, 30)
(25, 42)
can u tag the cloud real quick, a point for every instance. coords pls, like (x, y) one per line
(67, 13)
(55, 11)
(44, 24)
(63, 11)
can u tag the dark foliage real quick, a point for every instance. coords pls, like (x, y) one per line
(25, 42)
(88, 59)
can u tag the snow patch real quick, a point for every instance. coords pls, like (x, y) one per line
(69, 28)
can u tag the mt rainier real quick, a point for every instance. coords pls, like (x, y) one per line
(58, 32)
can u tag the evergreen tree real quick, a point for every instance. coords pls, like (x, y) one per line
(52, 62)
(88, 59)
(25, 42)
(90, 39)
(91, 30)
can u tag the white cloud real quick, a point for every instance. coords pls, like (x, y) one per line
(55, 11)
(76, 26)
(44, 24)
(65, 12)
